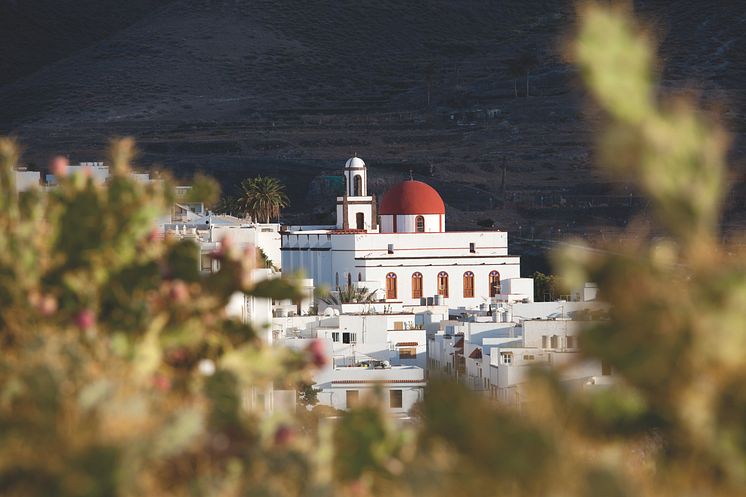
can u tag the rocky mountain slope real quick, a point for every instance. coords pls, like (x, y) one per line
(292, 88)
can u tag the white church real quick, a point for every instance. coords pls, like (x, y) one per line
(402, 249)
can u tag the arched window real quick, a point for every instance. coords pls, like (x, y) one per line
(417, 285)
(349, 279)
(468, 285)
(360, 276)
(419, 223)
(360, 220)
(336, 281)
(391, 286)
(443, 284)
(494, 283)
(357, 188)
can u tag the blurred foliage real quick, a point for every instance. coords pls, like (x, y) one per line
(120, 373)
(548, 287)
(204, 189)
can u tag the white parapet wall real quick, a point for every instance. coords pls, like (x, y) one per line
(400, 387)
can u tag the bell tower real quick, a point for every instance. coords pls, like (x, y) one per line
(356, 177)
(355, 207)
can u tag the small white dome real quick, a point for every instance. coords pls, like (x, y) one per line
(354, 163)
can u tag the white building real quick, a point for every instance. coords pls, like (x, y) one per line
(546, 343)
(211, 231)
(25, 180)
(496, 358)
(375, 348)
(98, 171)
(342, 387)
(407, 253)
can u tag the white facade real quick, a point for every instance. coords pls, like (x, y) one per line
(410, 257)
(25, 180)
(587, 293)
(254, 310)
(212, 231)
(369, 353)
(98, 171)
(496, 358)
(407, 223)
(400, 387)
(397, 338)
(336, 259)
(265, 236)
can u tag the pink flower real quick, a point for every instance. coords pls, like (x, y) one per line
(47, 305)
(224, 249)
(153, 235)
(85, 319)
(318, 354)
(58, 166)
(162, 383)
(179, 292)
(180, 356)
(284, 435)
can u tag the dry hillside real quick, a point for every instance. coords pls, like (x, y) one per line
(292, 88)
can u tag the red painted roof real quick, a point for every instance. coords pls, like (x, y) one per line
(412, 197)
(476, 354)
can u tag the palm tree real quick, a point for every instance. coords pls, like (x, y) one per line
(264, 260)
(349, 294)
(262, 198)
(522, 64)
(528, 62)
(516, 71)
(228, 205)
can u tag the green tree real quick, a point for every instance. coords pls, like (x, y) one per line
(230, 205)
(307, 395)
(350, 294)
(264, 259)
(548, 288)
(262, 198)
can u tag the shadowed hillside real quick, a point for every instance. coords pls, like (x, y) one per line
(37, 32)
(292, 88)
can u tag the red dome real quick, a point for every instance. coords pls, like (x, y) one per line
(412, 197)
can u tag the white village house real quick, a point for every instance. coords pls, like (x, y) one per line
(373, 348)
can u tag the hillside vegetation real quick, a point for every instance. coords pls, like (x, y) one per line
(292, 88)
